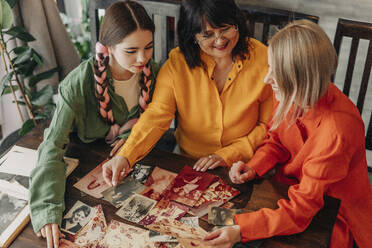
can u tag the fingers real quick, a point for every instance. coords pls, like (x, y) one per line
(55, 232)
(213, 235)
(115, 176)
(107, 172)
(216, 164)
(118, 144)
(250, 174)
(49, 236)
(200, 163)
(43, 232)
(209, 162)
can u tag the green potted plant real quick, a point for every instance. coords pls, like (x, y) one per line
(19, 64)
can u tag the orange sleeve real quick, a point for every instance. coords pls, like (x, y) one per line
(327, 161)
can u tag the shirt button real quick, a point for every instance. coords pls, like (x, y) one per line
(239, 66)
(212, 78)
(229, 78)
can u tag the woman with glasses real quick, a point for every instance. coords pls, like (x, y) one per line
(214, 84)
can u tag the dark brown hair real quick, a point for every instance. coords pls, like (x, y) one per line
(121, 19)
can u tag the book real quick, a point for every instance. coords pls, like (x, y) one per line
(15, 169)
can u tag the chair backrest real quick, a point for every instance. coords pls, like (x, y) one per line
(270, 18)
(165, 15)
(356, 31)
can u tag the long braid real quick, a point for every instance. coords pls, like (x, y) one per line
(101, 90)
(145, 83)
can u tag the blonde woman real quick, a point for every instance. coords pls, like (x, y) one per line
(311, 142)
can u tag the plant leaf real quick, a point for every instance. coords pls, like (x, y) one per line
(43, 96)
(20, 33)
(20, 49)
(5, 81)
(37, 58)
(12, 3)
(7, 17)
(23, 57)
(44, 75)
(8, 90)
(26, 127)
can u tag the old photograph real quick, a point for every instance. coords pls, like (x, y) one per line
(93, 183)
(123, 190)
(222, 216)
(141, 172)
(158, 183)
(77, 217)
(189, 185)
(135, 208)
(9, 208)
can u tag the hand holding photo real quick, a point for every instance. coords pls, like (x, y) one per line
(93, 183)
(123, 190)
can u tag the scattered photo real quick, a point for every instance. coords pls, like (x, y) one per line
(141, 172)
(77, 217)
(123, 190)
(135, 208)
(164, 209)
(177, 229)
(189, 185)
(166, 245)
(158, 183)
(120, 235)
(158, 237)
(9, 208)
(93, 183)
(192, 243)
(217, 194)
(22, 180)
(222, 216)
(94, 231)
(227, 205)
(64, 243)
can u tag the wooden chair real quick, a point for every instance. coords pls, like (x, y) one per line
(356, 31)
(165, 15)
(270, 17)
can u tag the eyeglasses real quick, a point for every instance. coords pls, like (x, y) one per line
(227, 32)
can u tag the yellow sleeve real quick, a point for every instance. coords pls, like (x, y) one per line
(243, 148)
(155, 120)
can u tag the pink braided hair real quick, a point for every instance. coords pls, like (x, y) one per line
(104, 107)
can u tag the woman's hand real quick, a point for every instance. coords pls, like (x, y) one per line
(115, 170)
(52, 234)
(240, 172)
(117, 145)
(223, 238)
(209, 162)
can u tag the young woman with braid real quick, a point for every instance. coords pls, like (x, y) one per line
(102, 98)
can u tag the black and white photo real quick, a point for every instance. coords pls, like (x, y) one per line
(77, 217)
(118, 194)
(135, 208)
(141, 172)
(9, 208)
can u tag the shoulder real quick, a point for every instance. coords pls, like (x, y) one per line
(340, 116)
(257, 52)
(77, 77)
(77, 82)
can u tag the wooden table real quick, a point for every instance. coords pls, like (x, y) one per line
(255, 195)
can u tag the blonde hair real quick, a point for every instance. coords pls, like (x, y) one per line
(303, 60)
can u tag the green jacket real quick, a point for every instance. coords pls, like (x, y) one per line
(76, 111)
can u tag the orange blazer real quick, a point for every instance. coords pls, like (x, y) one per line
(322, 152)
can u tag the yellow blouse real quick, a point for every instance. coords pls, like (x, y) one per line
(230, 124)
